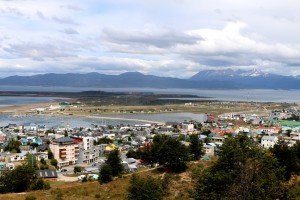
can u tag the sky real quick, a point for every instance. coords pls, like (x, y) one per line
(174, 38)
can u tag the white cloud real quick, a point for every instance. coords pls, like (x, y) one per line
(170, 38)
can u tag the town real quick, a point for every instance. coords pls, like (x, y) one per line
(61, 151)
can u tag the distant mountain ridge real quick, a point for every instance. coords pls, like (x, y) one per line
(128, 79)
(206, 79)
(249, 79)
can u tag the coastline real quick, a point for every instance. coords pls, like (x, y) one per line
(87, 111)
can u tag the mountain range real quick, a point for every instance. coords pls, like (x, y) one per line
(206, 79)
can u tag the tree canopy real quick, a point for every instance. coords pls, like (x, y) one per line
(242, 171)
(20, 179)
(196, 147)
(144, 189)
(114, 161)
(287, 158)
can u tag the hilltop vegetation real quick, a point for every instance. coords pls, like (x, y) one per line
(242, 171)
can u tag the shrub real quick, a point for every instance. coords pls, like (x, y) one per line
(30, 197)
(39, 184)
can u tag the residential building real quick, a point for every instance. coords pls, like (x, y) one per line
(209, 150)
(268, 141)
(65, 151)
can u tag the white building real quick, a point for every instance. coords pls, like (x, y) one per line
(268, 141)
(188, 127)
(17, 157)
(209, 150)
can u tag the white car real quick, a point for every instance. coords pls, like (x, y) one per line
(81, 177)
(93, 176)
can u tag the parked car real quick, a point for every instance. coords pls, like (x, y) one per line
(93, 176)
(64, 170)
(81, 177)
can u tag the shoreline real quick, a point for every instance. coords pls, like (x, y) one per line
(214, 108)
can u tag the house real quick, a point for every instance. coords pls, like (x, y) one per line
(9, 166)
(43, 148)
(188, 127)
(268, 141)
(2, 139)
(40, 156)
(165, 130)
(209, 150)
(18, 157)
(129, 167)
(65, 151)
(47, 174)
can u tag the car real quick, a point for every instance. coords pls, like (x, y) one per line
(93, 176)
(81, 177)
(64, 170)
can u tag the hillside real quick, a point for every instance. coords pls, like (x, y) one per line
(180, 186)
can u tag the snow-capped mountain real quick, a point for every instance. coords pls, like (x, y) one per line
(248, 78)
(208, 74)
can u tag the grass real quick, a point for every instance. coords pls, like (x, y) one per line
(180, 186)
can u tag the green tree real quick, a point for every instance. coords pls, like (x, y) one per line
(54, 162)
(105, 174)
(173, 155)
(17, 180)
(43, 161)
(133, 154)
(50, 154)
(206, 132)
(31, 160)
(77, 169)
(166, 151)
(169, 152)
(147, 156)
(287, 158)
(144, 189)
(196, 147)
(13, 146)
(39, 184)
(114, 161)
(243, 171)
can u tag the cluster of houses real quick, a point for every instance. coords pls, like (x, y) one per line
(87, 146)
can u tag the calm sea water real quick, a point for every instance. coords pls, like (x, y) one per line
(55, 121)
(13, 100)
(227, 95)
(257, 95)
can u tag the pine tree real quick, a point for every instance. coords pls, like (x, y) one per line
(196, 147)
(114, 161)
(105, 174)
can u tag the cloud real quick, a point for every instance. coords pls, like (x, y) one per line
(64, 21)
(41, 15)
(228, 46)
(171, 37)
(11, 11)
(37, 51)
(72, 7)
(69, 31)
(231, 47)
(157, 37)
